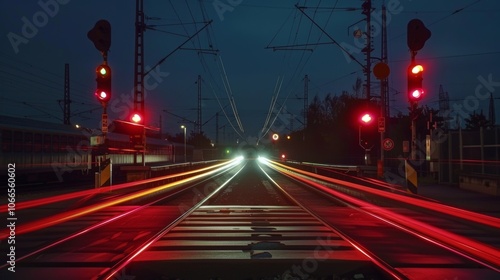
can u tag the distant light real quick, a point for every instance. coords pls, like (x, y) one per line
(77, 125)
(276, 136)
(282, 156)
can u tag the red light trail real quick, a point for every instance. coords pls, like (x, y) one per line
(69, 215)
(459, 244)
(43, 201)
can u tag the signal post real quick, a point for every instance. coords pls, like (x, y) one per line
(381, 72)
(417, 35)
(100, 35)
(365, 141)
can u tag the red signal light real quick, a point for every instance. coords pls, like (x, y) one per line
(417, 69)
(136, 118)
(417, 94)
(366, 118)
(102, 95)
(415, 90)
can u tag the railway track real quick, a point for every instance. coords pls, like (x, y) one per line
(267, 235)
(419, 238)
(82, 242)
(260, 224)
(251, 242)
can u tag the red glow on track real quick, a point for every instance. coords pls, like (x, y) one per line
(59, 198)
(425, 231)
(69, 215)
(434, 206)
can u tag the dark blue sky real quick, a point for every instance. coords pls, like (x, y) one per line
(39, 37)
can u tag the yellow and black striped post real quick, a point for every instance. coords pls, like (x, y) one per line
(411, 178)
(104, 176)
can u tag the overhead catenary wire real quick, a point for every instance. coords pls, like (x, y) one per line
(224, 111)
(286, 57)
(274, 98)
(196, 43)
(20, 78)
(230, 94)
(452, 13)
(302, 62)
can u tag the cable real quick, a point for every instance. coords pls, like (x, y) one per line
(302, 61)
(443, 18)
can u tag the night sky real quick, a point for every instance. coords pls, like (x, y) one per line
(39, 37)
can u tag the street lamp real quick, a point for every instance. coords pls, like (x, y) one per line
(185, 157)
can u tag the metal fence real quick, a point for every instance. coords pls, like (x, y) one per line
(469, 152)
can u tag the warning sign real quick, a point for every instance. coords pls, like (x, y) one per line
(388, 144)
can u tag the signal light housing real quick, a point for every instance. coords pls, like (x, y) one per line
(103, 79)
(367, 128)
(415, 89)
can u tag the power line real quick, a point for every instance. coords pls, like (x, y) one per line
(452, 13)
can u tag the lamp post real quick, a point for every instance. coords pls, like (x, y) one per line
(185, 157)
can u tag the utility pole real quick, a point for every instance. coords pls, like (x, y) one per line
(444, 107)
(367, 9)
(67, 99)
(306, 98)
(198, 120)
(140, 27)
(384, 57)
(491, 111)
(217, 128)
(384, 104)
(161, 125)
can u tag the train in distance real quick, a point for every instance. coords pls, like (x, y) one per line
(45, 152)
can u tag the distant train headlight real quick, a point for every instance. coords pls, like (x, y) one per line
(261, 159)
